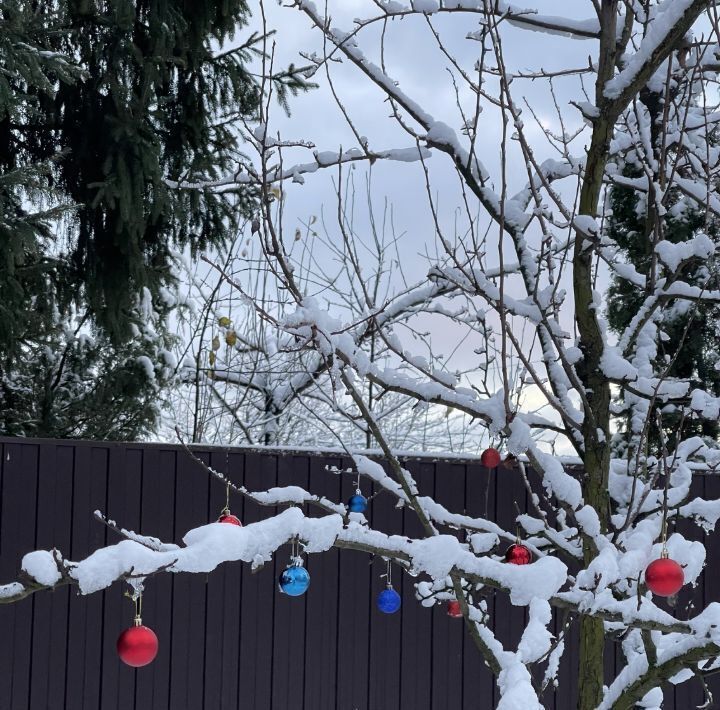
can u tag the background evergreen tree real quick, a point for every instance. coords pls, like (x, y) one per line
(29, 72)
(67, 383)
(691, 340)
(101, 103)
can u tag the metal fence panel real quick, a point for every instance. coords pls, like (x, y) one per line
(229, 640)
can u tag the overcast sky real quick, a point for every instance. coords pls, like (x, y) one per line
(413, 59)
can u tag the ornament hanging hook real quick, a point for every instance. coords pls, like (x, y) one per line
(664, 553)
(226, 510)
(295, 552)
(663, 533)
(137, 600)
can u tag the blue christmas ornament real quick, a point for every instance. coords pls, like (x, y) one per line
(388, 601)
(294, 581)
(357, 504)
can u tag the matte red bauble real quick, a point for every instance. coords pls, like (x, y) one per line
(137, 646)
(229, 519)
(664, 577)
(453, 609)
(490, 458)
(518, 554)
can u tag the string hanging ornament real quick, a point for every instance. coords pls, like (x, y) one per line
(490, 458)
(358, 502)
(225, 515)
(138, 645)
(388, 601)
(517, 553)
(664, 577)
(454, 610)
(295, 579)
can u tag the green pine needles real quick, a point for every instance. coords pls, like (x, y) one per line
(689, 344)
(102, 102)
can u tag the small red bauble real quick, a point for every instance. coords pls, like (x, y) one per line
(229, 519)
(518, 554)
(137, 646)
(453, 609)
(490, 458)
(664, 577)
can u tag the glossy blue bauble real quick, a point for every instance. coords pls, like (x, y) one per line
(357, 504)
(388, 601)
(294, 581)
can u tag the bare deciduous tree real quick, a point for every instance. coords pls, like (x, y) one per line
(529, 291)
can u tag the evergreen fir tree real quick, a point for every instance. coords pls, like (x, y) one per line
(690, 343)
(148, 109)
(68, 383)
(101, 103)
(30, 71)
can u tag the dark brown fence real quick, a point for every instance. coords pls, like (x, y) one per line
(229, 640)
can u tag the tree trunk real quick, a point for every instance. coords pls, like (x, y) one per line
(590, 679)
(596, 422)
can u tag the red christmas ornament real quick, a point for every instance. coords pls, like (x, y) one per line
(453, 609)
(664, 577)
(229, 518)
(490, 458)
(518, 554)
(137, 646)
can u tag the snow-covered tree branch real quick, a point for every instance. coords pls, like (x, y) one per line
(573, 255)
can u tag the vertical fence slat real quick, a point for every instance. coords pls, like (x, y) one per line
(213, 659)
(354, 601)
(232, 629)
(447, 667)
(289, 627)
(709, 579)
(130, 488)
(478, 682)
(322, 654)
(85, 622)
(565, 693)
(416, 666)
(689, 603)
(17, 536)
(251, 656)
(258, 602)
(222, 619)
(50, 616)
(116, 614)
(385, 629)
(156, 519)
(508, 620)
(192, 485)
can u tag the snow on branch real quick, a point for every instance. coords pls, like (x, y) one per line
(671, 21)
(296, 173)
(437, 557)
(508, 12)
